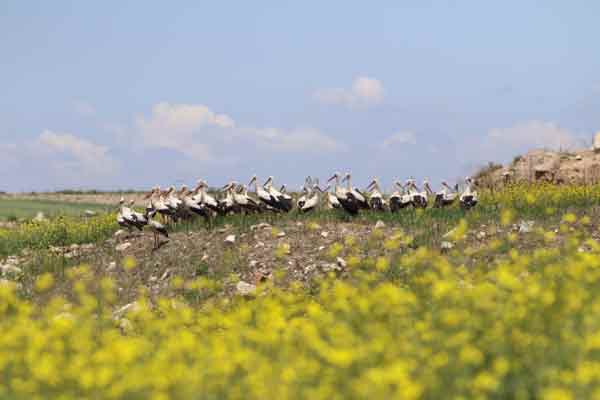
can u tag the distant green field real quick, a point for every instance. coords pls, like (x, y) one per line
(11, 209)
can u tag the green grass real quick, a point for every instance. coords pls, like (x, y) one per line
(13, 209)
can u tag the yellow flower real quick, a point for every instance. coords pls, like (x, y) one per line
(44, 282)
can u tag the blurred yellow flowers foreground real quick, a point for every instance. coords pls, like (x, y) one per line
(413, 326)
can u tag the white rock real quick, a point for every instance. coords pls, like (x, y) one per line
(165, 274)
(526, 226)
(321, 248)
(119, 233)
(39, 217)
(111, 266)
(341, 262)
(230, 239)
(262, 225)
(328, 267)
(123, 246)
(447, 245)
(379, 224)
(89, 213)
(281, 234)
(253, 263)
(578, 157)
(481, 235)
(324, 234)
(127, 308)
(596, 145)
(259, 244)
(245, 288)
(9, 269)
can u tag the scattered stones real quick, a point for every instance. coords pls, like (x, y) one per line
(111, 266)
(253, 263)
(379, 224)
(341, 262)
(245, 288)
(9, 269)
(481, 235)
(324, 234)
(230, 239)
(310, 268)
(525, 226)
(123, 246)
(281, 234)
(329, 267)
(262, 225)
(321, 248)
(259, 245)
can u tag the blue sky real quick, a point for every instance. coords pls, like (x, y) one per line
(132, 94)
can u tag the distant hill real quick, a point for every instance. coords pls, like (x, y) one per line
(559, 167)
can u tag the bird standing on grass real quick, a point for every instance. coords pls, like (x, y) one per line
(376, 201)
(157, 228)
(469, 198)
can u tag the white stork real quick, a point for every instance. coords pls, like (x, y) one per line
(376, 201)
(264, 196)
(469, 198)
(285, 202)
(418, 199)
(139, 218)
(444, 197)
(190, 204)
(344, 196)
(314, 201)
(156, 227)
(357, 194)
(243, 200)
(204, 198)
(399, 198)
(305, 190)
(332, 201)
(226, 204)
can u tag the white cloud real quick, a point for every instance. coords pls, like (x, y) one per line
(84, 108)
(306, 140)
(365, 91)
(87, 157)
(533, 134)
(399, 138)
(185, 128)
(201, 134)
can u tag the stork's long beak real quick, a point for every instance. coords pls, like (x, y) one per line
(332, 178)
(252, 181)
(371, 185)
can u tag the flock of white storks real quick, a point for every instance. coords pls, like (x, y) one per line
(234, 198)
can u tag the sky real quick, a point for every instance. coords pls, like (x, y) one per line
(133, 94)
